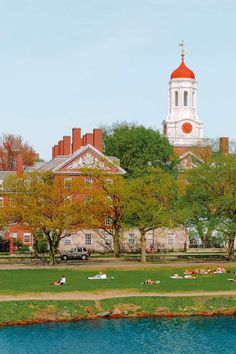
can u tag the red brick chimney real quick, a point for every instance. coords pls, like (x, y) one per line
(67, 145)
(88, 139)
(60, 147)
(19, 166)
(224, 145)
(76, 139)
(56, 150)
(97, 139)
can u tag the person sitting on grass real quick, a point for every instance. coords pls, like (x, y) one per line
(59, 282)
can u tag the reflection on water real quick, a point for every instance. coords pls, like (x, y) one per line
(145, 336)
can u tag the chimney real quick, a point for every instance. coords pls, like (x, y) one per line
(97, 139)
(76, 139)
(88, 139)
(19, 166)
(60, 147)
(67, 145)
(53, 152)
(224, 145)
(56, 151)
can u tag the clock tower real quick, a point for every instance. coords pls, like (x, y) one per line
(182, 125)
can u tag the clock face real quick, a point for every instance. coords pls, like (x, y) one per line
(187, 128)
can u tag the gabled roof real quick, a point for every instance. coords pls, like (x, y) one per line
(86, 157)
(189, 160)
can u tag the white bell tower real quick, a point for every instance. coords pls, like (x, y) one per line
(182, 125)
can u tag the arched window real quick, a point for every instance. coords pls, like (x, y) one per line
(185, 98)
(176, 98)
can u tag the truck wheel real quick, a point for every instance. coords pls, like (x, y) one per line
(83, 257)
(64, 258)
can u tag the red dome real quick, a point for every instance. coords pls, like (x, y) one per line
(183, 72)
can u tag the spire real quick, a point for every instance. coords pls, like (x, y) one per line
(182, 71)
(181, 44)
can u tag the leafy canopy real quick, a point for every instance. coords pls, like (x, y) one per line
(138, 148)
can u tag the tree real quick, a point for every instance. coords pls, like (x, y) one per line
(211, 195)
(107, 203)
(138, 148)
(41, 202)
(12, 145)
(150, 203)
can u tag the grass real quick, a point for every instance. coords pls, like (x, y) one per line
(69, 310)
(38, 280)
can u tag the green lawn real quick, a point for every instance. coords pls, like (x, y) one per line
(13, 311)
(38, 280)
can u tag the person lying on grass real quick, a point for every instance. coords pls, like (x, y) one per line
(100, 276)
(59, 282)
(176, 276)
(150, 282)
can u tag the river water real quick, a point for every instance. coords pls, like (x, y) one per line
(145, 336)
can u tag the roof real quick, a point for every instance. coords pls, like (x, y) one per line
(52, 164)
(183, 72)
(4, 174)
(58, 163)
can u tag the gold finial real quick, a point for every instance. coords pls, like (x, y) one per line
(181, 44)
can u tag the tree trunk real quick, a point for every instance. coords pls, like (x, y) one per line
(35, 247)
(116, 246)
(143, 247)
(52, 256)
(231, 248)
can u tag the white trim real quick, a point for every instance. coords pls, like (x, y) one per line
(79, 152)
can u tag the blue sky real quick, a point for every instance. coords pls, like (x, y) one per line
(83, 63)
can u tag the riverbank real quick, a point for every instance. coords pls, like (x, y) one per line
(35, 312)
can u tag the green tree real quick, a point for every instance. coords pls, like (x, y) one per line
(150, 203)
(211, 197)
(107, 204)
(41, 202)
(138, 148)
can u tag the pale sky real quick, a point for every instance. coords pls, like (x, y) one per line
(83, 63)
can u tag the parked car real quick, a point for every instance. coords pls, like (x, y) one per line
(75, 253)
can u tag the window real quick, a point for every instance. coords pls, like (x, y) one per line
(67, 240)
(108, 220)
(1, 202)
(176, 98)
(185, 98)
(13, 235)
(68, 201)
(170, 239)
(67, 183)
(1, 184)
(88, 239)
(131, 239)
(88, 181)
(27, 237)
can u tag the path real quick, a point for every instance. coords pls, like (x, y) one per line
(110, 265)
(77, 295)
